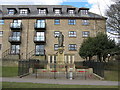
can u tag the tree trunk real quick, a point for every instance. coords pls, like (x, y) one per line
(104, 58)
(90, 58)
(99, 58)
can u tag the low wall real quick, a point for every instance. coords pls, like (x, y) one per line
(89, 70)
(9, 63)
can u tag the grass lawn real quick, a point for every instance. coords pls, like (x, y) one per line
(37, 85)
(9, 71)
(111, 75)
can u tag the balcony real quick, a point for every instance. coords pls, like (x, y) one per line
(15, 39)
(40, 26)
(15, 52)
(39, 39)
(16, 26)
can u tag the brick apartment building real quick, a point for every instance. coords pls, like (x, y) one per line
(30, 31)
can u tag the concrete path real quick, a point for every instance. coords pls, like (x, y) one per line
(58, 81)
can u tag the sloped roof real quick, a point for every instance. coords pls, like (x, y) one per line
(34, 12)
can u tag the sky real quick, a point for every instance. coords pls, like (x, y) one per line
(96, 6)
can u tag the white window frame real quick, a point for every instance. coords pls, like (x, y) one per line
(57, 11)
(42, 11)
(55, 47)
(72, 47)
(84, 12)
(85, 22)
(72, 34)
(11, 11)
(85, 34)
(23, 11)
(71, 11)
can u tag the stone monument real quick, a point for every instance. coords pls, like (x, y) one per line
(60, 59)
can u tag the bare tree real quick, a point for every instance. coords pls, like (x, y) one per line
(113, 14)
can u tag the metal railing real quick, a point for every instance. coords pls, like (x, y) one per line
(5, 53)
(35, 53)
(10, 52)
(16, 25)
(14, 39)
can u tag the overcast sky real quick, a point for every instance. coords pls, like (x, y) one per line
(96, 6)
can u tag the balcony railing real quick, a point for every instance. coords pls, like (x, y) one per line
(16, 25)
(15, 51)
(39, 39)
(15, 39)
(40, 26)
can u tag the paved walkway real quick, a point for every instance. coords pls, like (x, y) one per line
(58, 81)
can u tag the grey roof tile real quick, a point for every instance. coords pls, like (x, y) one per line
(34, 11)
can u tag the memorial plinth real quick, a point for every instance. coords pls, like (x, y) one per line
(60, 59)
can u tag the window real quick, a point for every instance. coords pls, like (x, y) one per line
(0, 46)
(72, 34)
(57, 11)
(56, 21)
(42, 11)
(85, 22)
(39, 49)
(0, 11)
(71, 11)
(1, 22)
(72, 47)
(16, 21)
(15, 36)
(71, 22)
(40, 36)
(55, 47)
(11, 11)
(16, 24)
(24, 11)
(84, 12)
(1, 33)
(85, 33)
(15, 49)
(56, 33)
(40, 23)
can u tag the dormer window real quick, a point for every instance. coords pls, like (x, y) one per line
(71, 11)
(57, 11)
(24, 11)
(42, 11)
(84, 12)
(11, 11)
